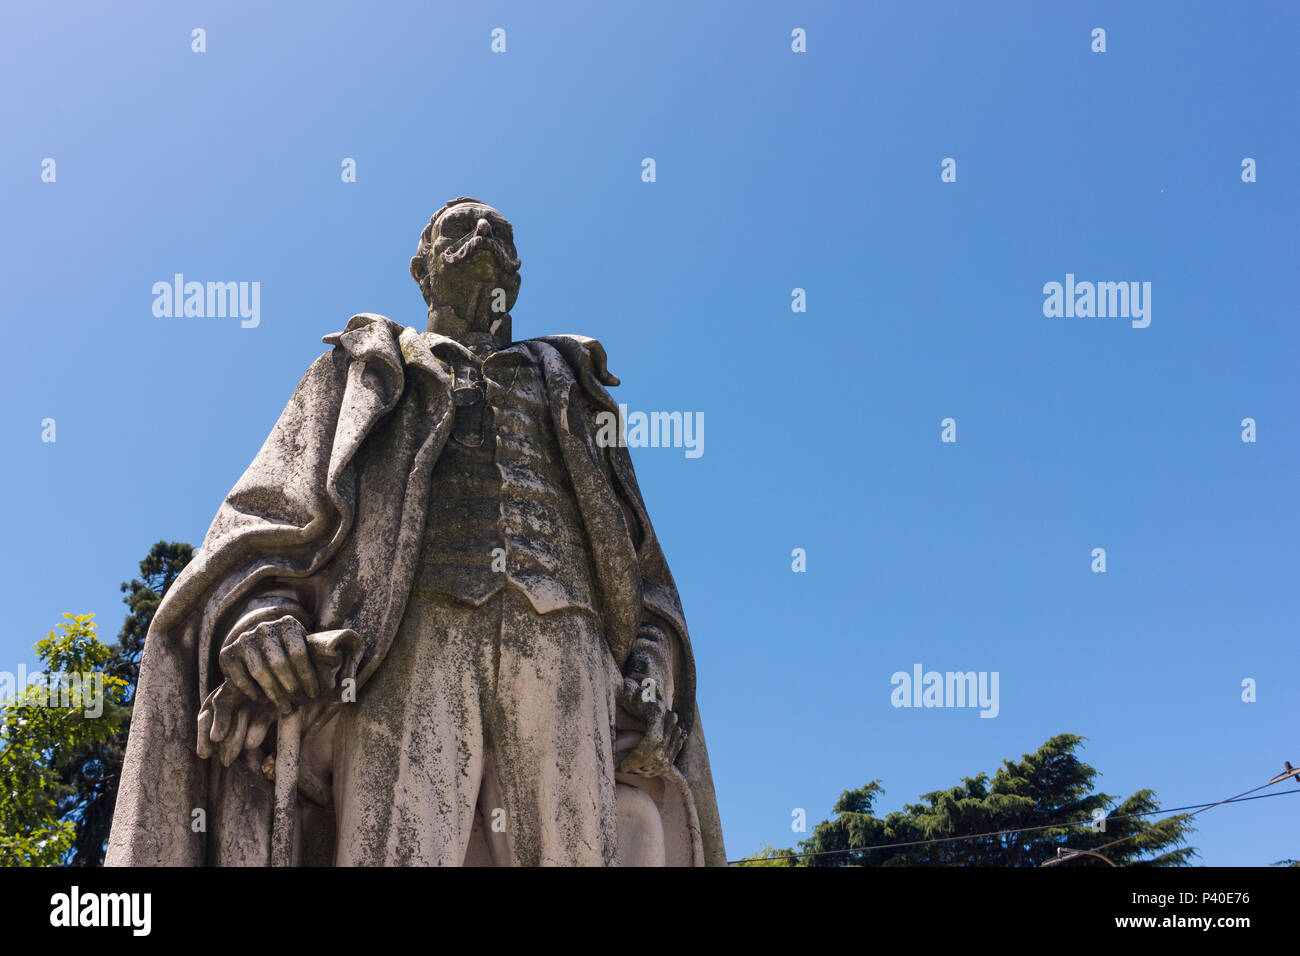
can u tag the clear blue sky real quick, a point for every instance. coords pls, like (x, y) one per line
(775, 170)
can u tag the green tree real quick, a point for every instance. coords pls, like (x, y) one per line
(43, 727)
(92, 774)
(1049, 786)
(767, 856)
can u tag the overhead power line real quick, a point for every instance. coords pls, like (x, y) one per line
(1197, 807)
(1065, 853)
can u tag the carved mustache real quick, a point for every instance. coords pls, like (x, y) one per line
(473, 244)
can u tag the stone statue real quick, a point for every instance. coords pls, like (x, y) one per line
(431, 624)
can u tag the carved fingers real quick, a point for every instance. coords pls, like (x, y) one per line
(662, 737)
(230, 723)
(271, 663)
(269, 670)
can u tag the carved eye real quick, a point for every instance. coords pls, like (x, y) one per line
(454, 228)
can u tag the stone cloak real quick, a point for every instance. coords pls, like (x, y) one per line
(332, 510)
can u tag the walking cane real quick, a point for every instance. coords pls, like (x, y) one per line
(341, 649)
(288, 746)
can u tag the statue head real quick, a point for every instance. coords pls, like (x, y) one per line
(467, 271)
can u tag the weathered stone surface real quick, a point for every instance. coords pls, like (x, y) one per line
(431, 624)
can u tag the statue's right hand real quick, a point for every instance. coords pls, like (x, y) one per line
(271, 664)
(269, 670)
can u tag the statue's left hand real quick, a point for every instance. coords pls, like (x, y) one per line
(230, 723)
(662, 738)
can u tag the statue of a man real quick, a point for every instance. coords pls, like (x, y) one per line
(431, 624)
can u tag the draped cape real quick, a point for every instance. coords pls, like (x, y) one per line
(331, 512)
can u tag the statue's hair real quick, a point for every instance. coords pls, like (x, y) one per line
(426, 237)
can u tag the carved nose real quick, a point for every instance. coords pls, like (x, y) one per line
(484, 228)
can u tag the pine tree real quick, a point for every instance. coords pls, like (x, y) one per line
(1049, 786)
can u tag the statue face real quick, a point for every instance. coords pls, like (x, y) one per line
(473, 249)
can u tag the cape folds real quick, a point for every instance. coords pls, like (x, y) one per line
(326, 523)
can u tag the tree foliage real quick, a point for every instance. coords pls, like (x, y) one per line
(43, 728)
(1047, 796)
(93, 772)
